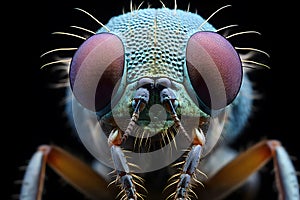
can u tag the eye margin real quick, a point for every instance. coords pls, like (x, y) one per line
(118, 72)
(190, 86)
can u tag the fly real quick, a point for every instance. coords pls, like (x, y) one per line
(153, 89)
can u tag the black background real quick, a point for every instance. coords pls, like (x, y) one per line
(35, 115)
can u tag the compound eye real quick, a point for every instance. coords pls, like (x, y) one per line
(96, 69)
(214, 69)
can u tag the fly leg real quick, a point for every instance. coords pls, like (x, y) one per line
(236, 172)
(184, 183)
(188, 172)
(77, 173)
(121, 167)
(117, 138)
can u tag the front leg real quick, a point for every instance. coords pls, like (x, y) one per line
(117, 138)
(121, 166)
(188, 172)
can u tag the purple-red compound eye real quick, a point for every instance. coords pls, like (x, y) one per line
(214, 69)
(96, 69)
